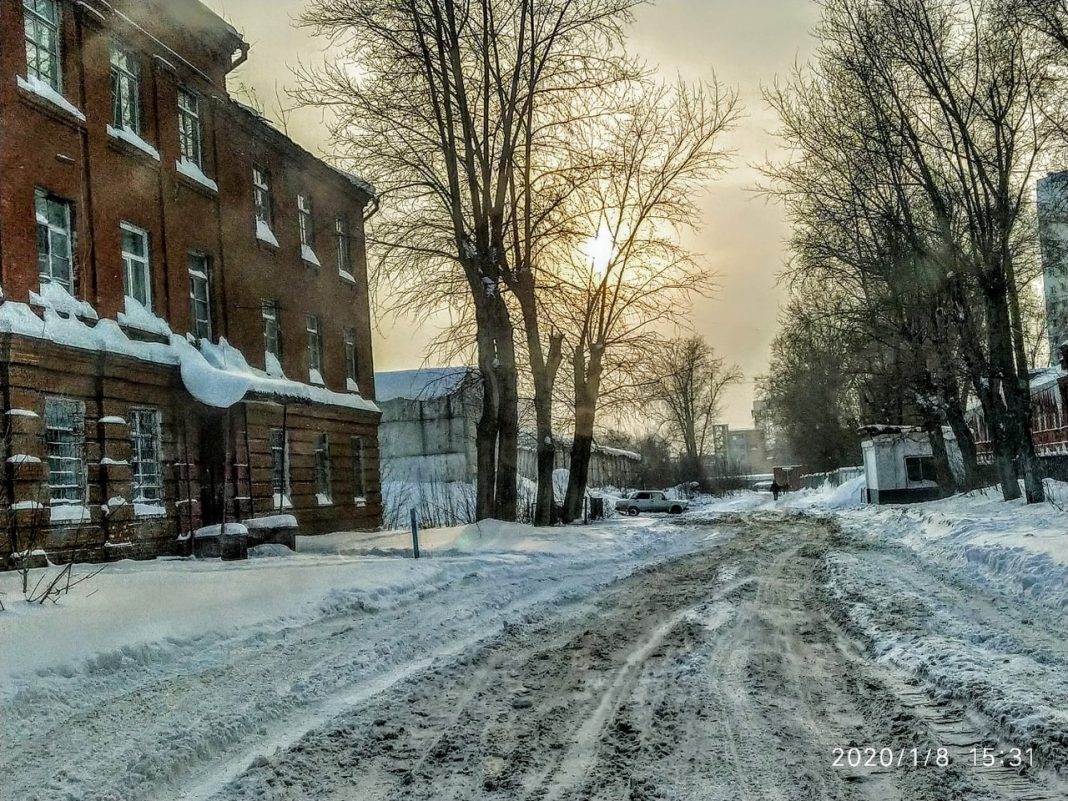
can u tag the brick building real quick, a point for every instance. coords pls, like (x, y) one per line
(184, 326)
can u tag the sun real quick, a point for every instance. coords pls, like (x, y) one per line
(600, 250)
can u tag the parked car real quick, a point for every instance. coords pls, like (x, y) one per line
(650, 501)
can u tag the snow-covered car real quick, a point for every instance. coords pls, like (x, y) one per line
(650, 501)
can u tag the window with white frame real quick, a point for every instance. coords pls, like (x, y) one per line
(200, 294)
(352, 362)
(344, 262)
(359, 485)
(322, 470)
(145, 456)
(136, 269)
(261, 188)
(272, 332)
(65, 443)
(42, 42)
(189, 127)
(304, 220)
(54, 235)
(280, 468)
(315, 348)
(125, 88)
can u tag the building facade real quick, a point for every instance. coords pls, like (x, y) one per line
(184, 326)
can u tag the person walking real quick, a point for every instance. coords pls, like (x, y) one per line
(775, 490)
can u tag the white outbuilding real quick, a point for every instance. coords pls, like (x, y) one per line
(899, 464)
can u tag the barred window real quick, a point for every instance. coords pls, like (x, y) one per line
(65, 442)
(42, 42)
(145, 460)
(280, 468)
(322, 470)
(359, 485)
(125, 88)
(189, 128)
(200, 294)
(54, 234)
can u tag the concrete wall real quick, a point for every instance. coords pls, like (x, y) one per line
(1053, 233)
(428, 441)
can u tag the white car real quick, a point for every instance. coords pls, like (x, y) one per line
(650, 501)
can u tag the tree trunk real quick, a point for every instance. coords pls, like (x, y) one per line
(965, 443)
(488, 423)
(1004, 419)
(947, 482)
(545, 503)
(581, 453)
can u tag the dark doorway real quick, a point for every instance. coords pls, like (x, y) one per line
(213, 469)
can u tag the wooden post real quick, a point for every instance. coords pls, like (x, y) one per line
(415, 534)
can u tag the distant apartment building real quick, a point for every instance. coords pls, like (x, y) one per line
(185, 331)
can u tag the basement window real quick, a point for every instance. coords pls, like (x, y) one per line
(42, 42)
(323, 492)
(280, 469)
(65, 443)
(359, 484)
(145, 460)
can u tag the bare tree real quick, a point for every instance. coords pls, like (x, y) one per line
(688, 386)
(635, 277)
(442, 103)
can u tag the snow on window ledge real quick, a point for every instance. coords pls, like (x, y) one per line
(324, 500)
(347, 276)
(37, 87)
(309, 256)
(315, 377)
(360, 501)
(265, 234)
(56, 297)
(282, 501)
(113, 420)
(149, 510)
(351, 385)
(272, 366)
(133, 139)
(194, 173)
(22, 458)
(137, 316)
(70, 514)
(21, 413)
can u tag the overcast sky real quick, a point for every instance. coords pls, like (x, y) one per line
(747, 42)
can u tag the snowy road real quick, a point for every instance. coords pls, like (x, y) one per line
(724, 658)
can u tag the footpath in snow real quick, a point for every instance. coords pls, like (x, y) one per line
(164, 679)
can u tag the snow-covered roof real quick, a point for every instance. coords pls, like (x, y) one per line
(215, 374)
(426, 383)
(1046, 378)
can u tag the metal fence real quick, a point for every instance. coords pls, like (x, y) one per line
(835, 477)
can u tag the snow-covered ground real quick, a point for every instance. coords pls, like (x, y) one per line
(172, 678)
(158, 673)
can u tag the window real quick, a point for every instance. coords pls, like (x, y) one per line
(65, 441)
(304, 220)
(189, 130)
(42, 42)
(921, 468)
(344, 263)
(322, 470)
(200, 294)
(315, 349)
(136, 273)
(359, 486)
(261, 183)
(125, 89)
(272, 332)
(145, 458)
(280, 468)
(352, 364)
(54, 251)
